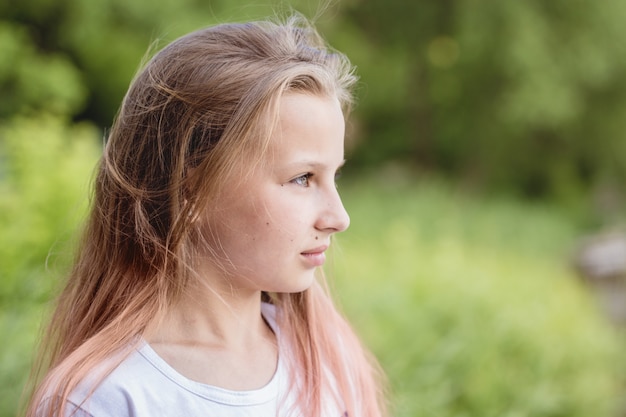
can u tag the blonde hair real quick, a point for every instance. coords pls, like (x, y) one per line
(200, 111)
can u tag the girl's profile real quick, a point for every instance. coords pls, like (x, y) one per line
(197, 287)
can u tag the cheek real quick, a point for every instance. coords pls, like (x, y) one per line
(276, 216)
(269, 240)
(287, 225)
(268, 225)
(269, 234)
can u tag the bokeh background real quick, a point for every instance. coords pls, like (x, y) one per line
(486, 183)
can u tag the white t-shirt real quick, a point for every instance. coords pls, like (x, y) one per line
(144, 385)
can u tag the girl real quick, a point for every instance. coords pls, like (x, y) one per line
(197, 288)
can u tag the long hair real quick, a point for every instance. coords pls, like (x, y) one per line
(199, 113)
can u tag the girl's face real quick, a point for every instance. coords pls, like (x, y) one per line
(273, 231)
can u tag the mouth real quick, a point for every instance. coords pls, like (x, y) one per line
(316, 256)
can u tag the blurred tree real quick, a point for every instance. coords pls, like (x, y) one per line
(497, 94)
(43, 183)
(32, 79)
(103, 41)
(527, 95)
(45, 166)
(99, 45)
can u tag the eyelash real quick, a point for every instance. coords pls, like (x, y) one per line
(304, 177)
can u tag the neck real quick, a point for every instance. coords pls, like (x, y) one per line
(212, 315)
(217, 336)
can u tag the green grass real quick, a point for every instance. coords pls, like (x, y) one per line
(472, 306)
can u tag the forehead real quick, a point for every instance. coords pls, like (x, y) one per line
(307, 122)
(308, 135)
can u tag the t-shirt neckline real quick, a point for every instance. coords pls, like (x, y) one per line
(268, 392)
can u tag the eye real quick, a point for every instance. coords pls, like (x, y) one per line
(337, 176)
(302, 180)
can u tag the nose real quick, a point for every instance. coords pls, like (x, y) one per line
(333, 216)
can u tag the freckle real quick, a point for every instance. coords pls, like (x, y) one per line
(267, 224)
(316, 237)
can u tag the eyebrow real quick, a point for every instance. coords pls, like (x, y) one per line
(313, 164)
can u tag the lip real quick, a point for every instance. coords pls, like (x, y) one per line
(316, 256)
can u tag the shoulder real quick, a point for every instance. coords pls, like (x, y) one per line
(123, 392)
(144, 385)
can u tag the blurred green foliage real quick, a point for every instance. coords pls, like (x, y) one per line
(470, 306)
(469, 303)
(45, 169)
(509, 95)
(500, 95)
(86, 52)
(44, 178)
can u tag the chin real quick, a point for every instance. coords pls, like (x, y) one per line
(301, 284)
